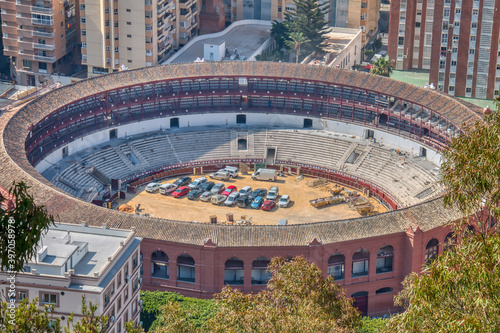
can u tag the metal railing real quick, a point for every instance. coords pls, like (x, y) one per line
(45, 58)
(41, 9)
(44, 46)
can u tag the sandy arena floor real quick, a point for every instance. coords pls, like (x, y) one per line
(299, 210)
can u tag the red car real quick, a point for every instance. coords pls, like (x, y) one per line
(180, 192)
(230, 189)
(268, 205)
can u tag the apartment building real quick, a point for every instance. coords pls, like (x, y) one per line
(72, 261)
(355, 14)
(458, 41)
(40, 37)
(132, 34)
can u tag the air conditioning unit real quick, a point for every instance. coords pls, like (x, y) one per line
(140, 281)
(127, 279)
(112, 319)
(140, 302)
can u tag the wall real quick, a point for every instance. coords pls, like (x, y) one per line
(229, 119)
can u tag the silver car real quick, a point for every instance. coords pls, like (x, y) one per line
(206, 196)
(231, 199)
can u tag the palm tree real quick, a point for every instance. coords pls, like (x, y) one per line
(297, 39)
(382, 67)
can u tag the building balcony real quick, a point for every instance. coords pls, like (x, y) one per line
(43, 34)
(45, 58)
(40, 9)
(42, 22)
(50, 47)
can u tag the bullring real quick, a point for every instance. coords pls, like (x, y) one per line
(373, 254)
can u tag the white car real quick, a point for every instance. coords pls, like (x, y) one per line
(273, 193)
(197, 182)
(245, 191)
(284, 201)
(152, 187)
(167, 188)
(231, 199)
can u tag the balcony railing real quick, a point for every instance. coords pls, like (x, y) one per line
(44, 46)
(43, 34)
(45, 58)
(40, 9)
(42, 22)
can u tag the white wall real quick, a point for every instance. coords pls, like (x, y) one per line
(263, 120)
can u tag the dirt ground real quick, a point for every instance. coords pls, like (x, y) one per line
(299, 211)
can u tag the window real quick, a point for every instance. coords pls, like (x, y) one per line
(360, 263)
(20, 38)
(475, 12)
(474, 26)
(82, 6)
(457, 10)
(451, 88)
(456, 24)
(84, 57)
(119, 303)
(473, 38)
(185, 268)
(128, 10)
(82, 19)
(149, 40)
(116, 49)
(119, 279)
(130, 36)
(107, 35)
(27, 63)
(363, 17)
(242, 144)
(135, 284)
(385, 290)
(280, 9)
(106, 10)
(233, 271)
(364, 4)
(446, 12)
(84, 32)
(84, 45)
(115, 11)
(149, 27)
(125, 294)
(106, 23)
(453, 62)
(401, 41)
(21, 295)
(116, 24)
(385, 259)
(129, 61)
(129, 23)
(108, 48)
(107, 297)
(444, 38)
(129, 49)
(336, 266)
(471, 51)
(159, 264)
(241, 119)
(431, 250)
(442, 64)
(445, 25)
(49, 298)
(260, 274)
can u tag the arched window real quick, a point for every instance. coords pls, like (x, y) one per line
(233, 271)
(242, 144)
(159, 265)
(185, 268)
(360, 262)
(142, 266)
(260, 274)
(431, 250)
(385, 290)
(384, 259)
(336, 266)
(449, 241)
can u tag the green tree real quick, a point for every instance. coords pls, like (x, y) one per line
(297, 39)
(21, 228)
(382, 67)
(459, 291)
(308, 17)
(368, 53)
(297, 299)
(377, 43)
(90, 323)
(279, 32)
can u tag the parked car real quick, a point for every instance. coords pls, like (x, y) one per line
(273, 193)
(220, 175)
(260, 192)
(218, 199)
(268, 205)
(206, 196)
(153, 187)
(230, 189)
(231, 199)
(184, 180)
(207, 186)
(233, 171)
(284, 201)
(218, 188)
(243, 201)
(195, 194)
(180, 192)
(246, 190)
(197, 182)
(167, 188)
(257, 202)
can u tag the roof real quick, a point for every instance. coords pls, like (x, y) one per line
(14, 126)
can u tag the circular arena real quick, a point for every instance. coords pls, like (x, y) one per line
(379, 136)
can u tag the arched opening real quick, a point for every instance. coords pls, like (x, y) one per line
(336, 266)
(242, 144)
(431, 250)
(384, 259)
(385, 290)
(360, 262)
(174, 122)
(185, 268)
(449, 241)
(361, 301)
(159, 265)
(260, 274)
(233, 271)
(308, 123)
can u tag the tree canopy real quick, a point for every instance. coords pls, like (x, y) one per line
(381, 67)
(21, 228)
